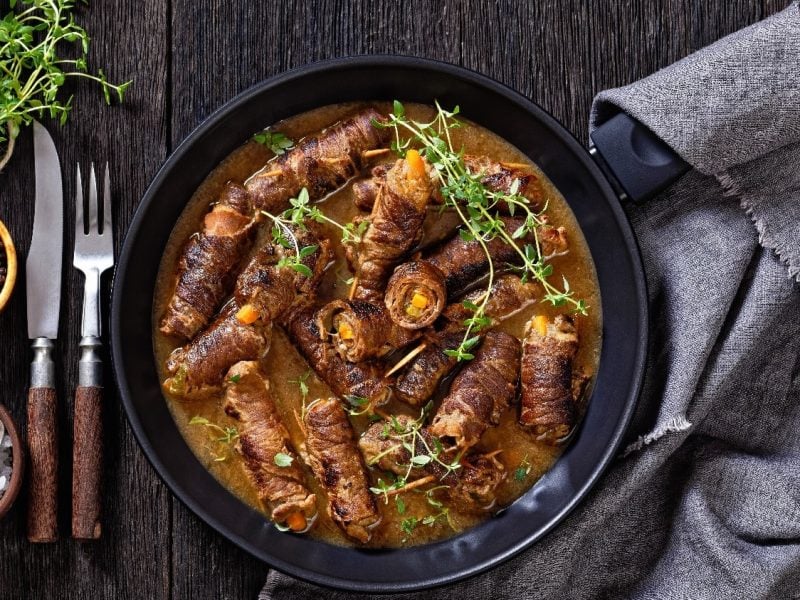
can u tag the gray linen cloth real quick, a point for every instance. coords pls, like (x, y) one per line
(704, 501)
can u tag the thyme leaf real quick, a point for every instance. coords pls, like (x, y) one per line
(277, 142)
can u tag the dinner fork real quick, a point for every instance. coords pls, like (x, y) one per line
(94, 254)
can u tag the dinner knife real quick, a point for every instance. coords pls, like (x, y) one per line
(43, 275)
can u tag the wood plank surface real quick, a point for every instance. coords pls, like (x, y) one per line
(188, 57)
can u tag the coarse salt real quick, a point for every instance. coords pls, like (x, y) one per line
(5, 460)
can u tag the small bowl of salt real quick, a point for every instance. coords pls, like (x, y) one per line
(12, 462)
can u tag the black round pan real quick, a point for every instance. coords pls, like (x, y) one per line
(613, 248)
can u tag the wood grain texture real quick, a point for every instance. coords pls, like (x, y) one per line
(43, 457)
(87, 463)
(187, 57)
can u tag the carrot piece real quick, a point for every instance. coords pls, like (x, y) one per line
(540, 324)
(419, 300)
(415, 165)
(296, 521)
(345, 331)
(247, 314)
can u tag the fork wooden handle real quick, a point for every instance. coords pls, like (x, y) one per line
(43, 452)
(87, 463)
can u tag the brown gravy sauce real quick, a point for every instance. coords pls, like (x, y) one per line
(223, 462)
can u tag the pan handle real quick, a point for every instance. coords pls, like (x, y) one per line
(638, 164)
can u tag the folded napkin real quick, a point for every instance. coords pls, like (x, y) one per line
(704, 501)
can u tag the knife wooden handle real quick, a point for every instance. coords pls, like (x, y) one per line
(87, 463)
(43, 452)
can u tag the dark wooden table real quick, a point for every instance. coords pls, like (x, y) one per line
(186, 58)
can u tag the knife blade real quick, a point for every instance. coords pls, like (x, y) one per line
(43, 286)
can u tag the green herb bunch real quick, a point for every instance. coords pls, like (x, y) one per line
(33, 70)
(476, 205)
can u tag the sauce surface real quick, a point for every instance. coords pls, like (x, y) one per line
(525, 459)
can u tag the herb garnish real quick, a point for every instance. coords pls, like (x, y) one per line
(476, 206)
(277, 142)
(283, 460)
(33, 70)
(523, 469)
(301, 209)
(409, 436)
(358, 405)
(224, 436)
(283, 235)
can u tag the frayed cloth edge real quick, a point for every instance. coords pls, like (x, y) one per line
(731, 189)
(674, 425)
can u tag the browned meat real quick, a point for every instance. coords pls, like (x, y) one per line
(480, 392)
(210, 260)
(500, 177)
(347, 380)
(273, 290)
(383, 448)
(548, 407)
(508, 296)
(422, 376)
(395, 227)
(338, 466)
(416, 294)
(473, 485)
(361, 330)
(262, 436)
(319, 163)
(366, 190)
(208, 264)
(198, 368)
(497, 177)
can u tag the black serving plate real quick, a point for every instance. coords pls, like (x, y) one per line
(619, 271)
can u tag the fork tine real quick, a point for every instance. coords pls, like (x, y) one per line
(80, 227)
(107, 217)
(93, 205)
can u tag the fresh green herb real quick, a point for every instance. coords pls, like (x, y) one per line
(302, 209)
(32, 45)
(400, 504)
(224, 436)
(234, 378)
(358, 405)
(277, 142)
(302, 383)
(283, 460)
(476, 206)
(283, 235)
(443, 511)
(408, 525)
(384, 487)
(523, 469)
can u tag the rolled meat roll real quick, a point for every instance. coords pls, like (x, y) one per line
(507, 297)
(361, 330)
(320, 163)
(395, 226)
(479, 393)
(416, 294)
(208, 264)
(363, 381)
(197, 369)
(418, 382)
(473, 485)
(280, 484)
(548, 406)
(338, 466)
(270, 290)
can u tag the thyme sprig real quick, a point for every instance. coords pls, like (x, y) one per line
(33, 69)
(224, 436)
(409, 436)
(276, 141)
(477, 207)
(285, 237)
(302, 209)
